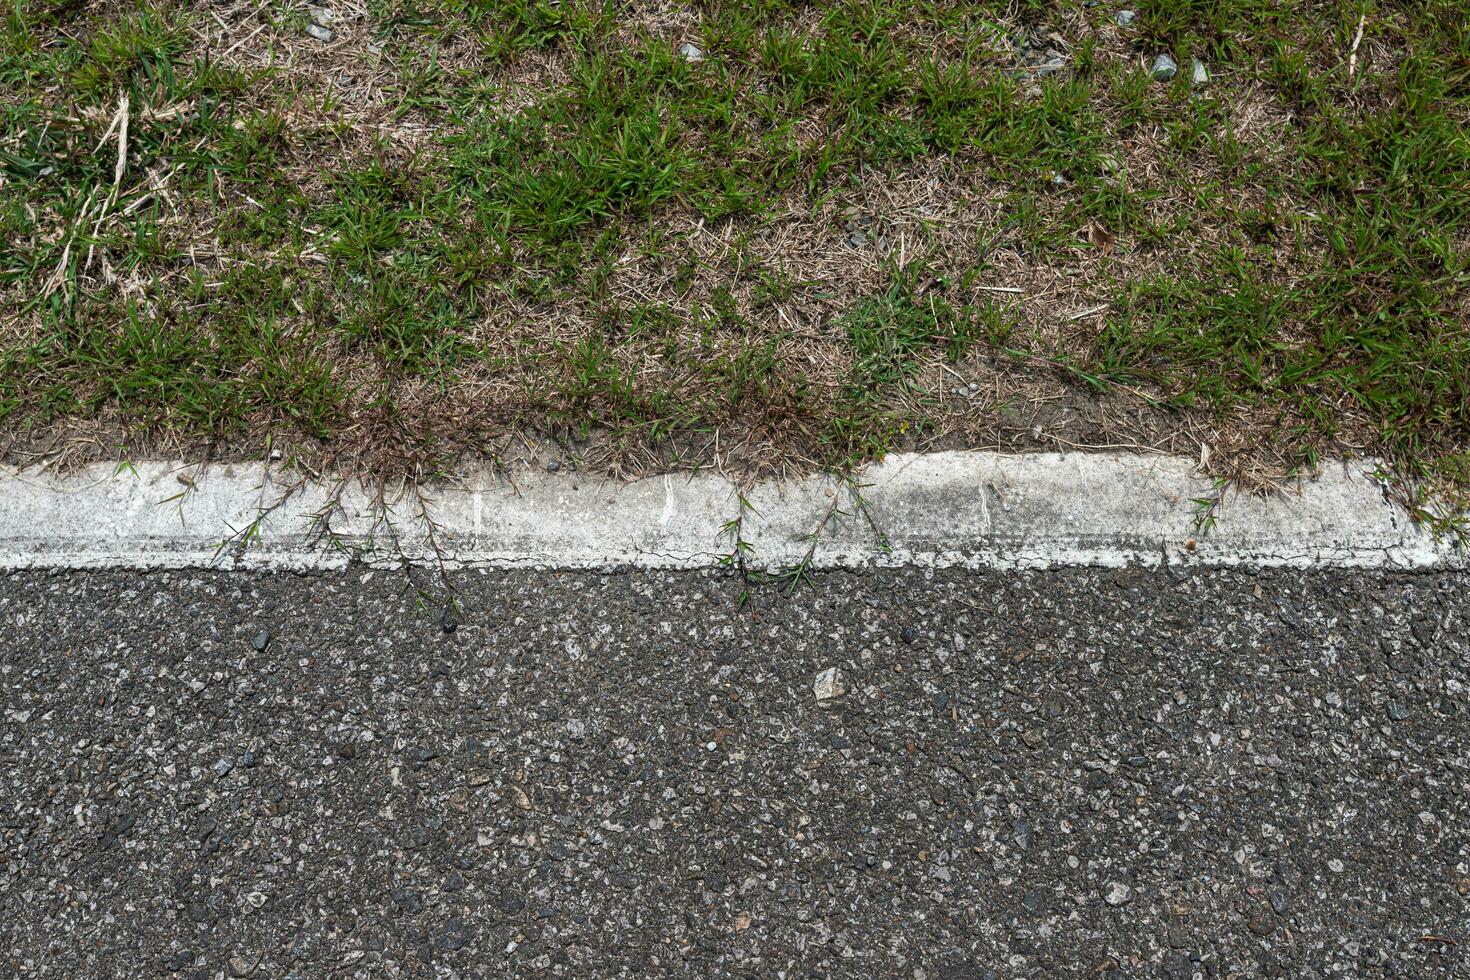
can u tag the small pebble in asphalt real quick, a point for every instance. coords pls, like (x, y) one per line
(1164, 68)
(222, 767)
(406, 899)
(830, 685)
(1118, 893)
(261, 641)
(1397, 711)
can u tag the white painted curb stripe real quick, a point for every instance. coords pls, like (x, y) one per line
(973, 509)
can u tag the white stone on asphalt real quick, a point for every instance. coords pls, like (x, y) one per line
(830, 686)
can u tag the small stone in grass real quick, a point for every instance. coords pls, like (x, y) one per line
(1164, 68)
(691, 52)
(1050, 63)
(1198, 75)
(1125, 18)
(323, 34)
(321, 15)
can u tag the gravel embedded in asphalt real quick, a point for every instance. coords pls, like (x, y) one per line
(1083, 772)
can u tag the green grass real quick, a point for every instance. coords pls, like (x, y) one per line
(540, 216)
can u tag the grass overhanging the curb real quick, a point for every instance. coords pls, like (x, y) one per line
(759, 235)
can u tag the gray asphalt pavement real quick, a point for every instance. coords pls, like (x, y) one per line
(1072, 773)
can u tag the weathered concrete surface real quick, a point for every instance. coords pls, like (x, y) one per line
(969, 509)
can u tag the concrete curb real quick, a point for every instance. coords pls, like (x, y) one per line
(973, 509)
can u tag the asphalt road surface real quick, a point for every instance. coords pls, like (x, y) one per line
(1072, 773)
